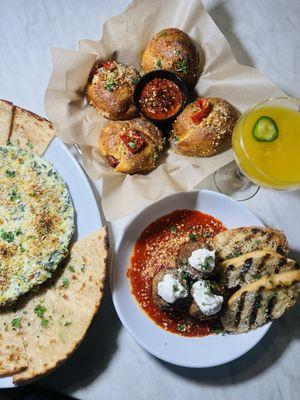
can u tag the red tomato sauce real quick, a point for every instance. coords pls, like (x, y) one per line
(157, 247)
(160, 99)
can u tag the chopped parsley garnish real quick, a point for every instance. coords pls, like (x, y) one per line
(68, 323)
(158, 63)
(218, 331)
(176, 139)
(7, 236)
(14, 195)
(184, 275)
(71, 268)
(30, 145)
(193, 237)
(163, 33)
(10, 173)
(236, 253)
(208, 263)
(132, 145)
(134, 79)
(18, 231)
(6, 326)
(175, 288)
(65, 283)
(173, 229)
(110, 83)
(22, 249)
(16, 323)
(82, 269)
(206, 234)
(40, 310)
(177, 52)
(181, 65)
(181, 327)
(44, 322)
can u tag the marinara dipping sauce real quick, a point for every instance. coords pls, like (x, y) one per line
(160, 99)
(160, 95)
(157, 247)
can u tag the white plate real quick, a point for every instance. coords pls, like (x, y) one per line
(87, 216)
(195, 352)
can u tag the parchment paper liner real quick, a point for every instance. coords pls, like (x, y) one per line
(124, 38)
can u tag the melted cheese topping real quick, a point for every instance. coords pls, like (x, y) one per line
(36, 221)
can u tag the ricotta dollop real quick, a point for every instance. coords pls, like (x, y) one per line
(203, 260)
(170, 289)
(208, 302)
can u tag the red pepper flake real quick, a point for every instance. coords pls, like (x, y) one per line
(133, 141)
(204, 110)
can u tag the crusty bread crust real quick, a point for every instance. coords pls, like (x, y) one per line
(116, 103)
(145, 160)
(234, 242)
(208, 137)
(172, 49)
(268, 282)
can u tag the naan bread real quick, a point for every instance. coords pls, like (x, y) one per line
(13, 356)
(6, 112)
(56, 319)
(30, 131)
(36, 222)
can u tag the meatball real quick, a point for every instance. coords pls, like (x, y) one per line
(169, 290)
(110, 88)
(173, 50)
(182, 260)
(131, 146)
(204, 127)
(212, 296)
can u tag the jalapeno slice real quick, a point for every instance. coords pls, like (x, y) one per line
(265, 129)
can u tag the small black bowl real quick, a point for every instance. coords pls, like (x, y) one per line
(160, 73)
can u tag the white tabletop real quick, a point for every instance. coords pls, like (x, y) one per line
(109, 364)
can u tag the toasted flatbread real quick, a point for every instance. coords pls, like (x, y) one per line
(13, 356)
(261, 301)
(6, 112)
(55, 322)
(251, 266)
(80, 282)
(235, 242)
(30, 131)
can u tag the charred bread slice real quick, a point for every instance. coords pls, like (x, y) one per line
(261, 301)
(235, 242)
(251, 266)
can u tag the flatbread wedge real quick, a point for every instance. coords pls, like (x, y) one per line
(53, 322)
(6, 113)
(30, 131)
(235, 242)
(13, 356)
(249, 267)
(259, 302)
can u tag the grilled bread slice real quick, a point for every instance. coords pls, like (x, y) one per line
(235, 242)
(261, 301)
(251, 266)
